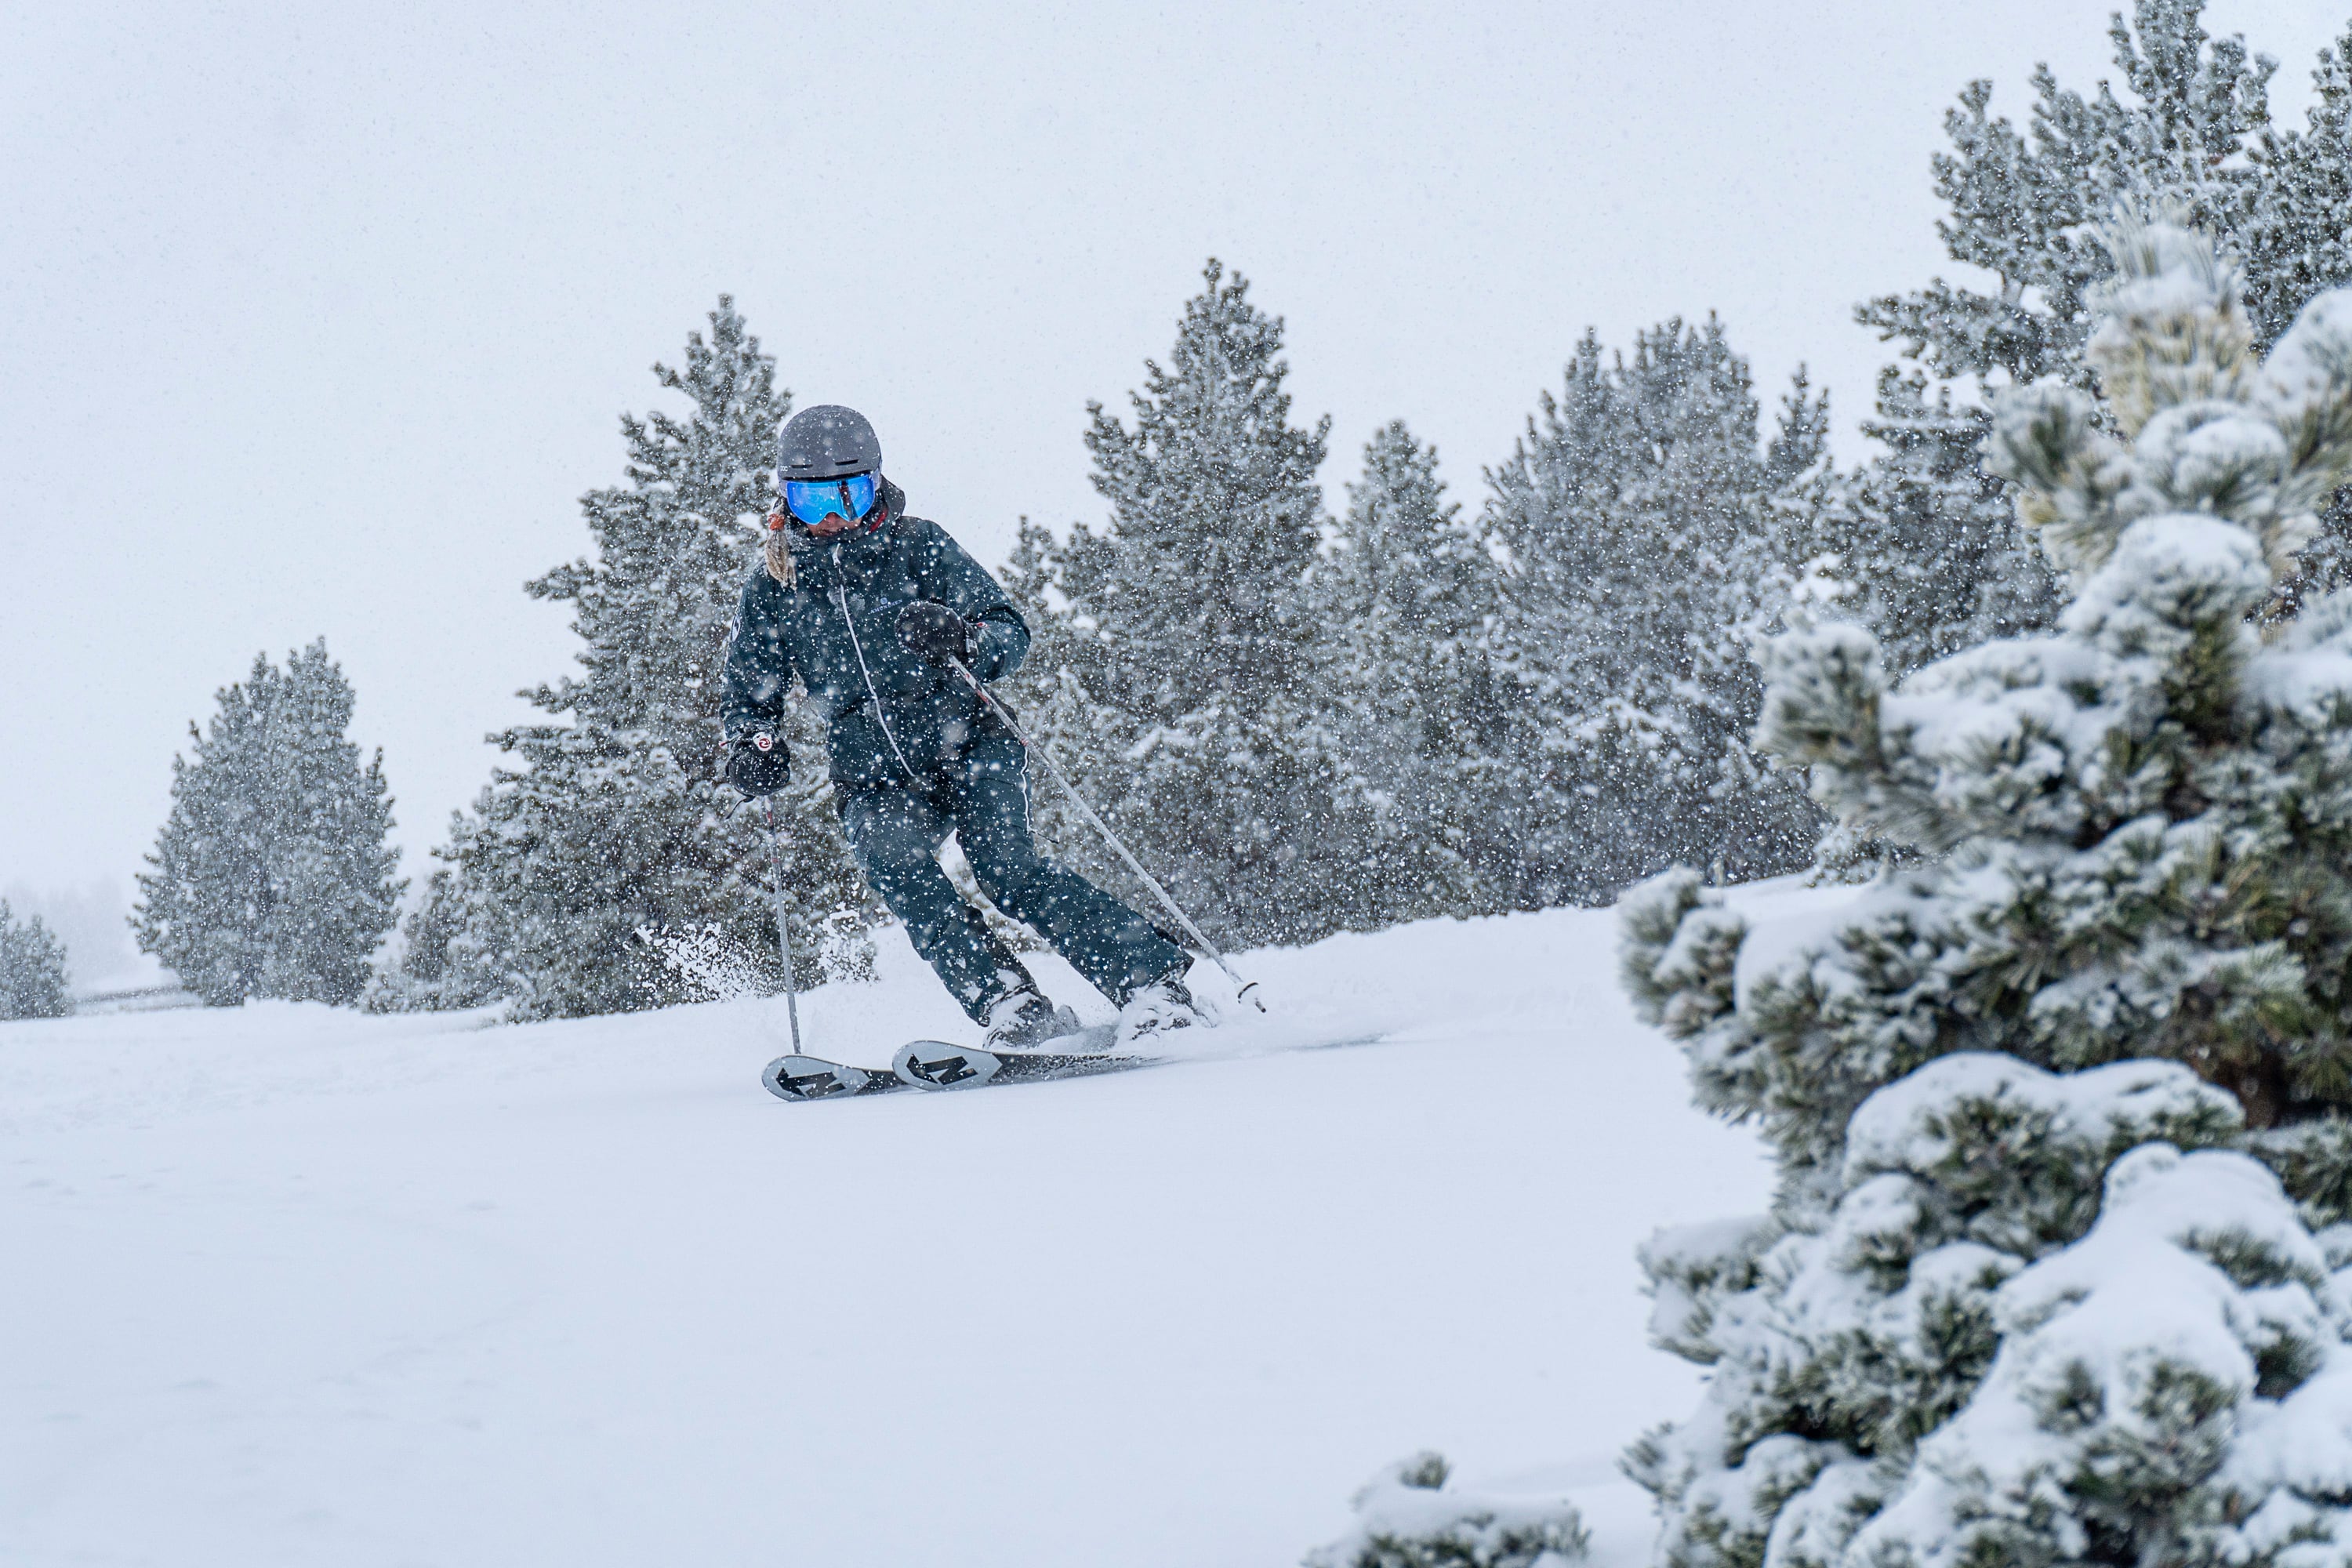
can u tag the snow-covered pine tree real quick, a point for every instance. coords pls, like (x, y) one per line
(1922, 526)
(1927, 541)
(615, 823)
(32, 969)
(2022, 1298)
(1184, 643)
(1409, 594)
(1642, 557)
(272, 877)
(2297, 243)
(444, 961)
(2024, 206)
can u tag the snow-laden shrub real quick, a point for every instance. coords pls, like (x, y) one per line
(2173, 1388)
(1839, 1346)
(2023, 1296)
(1406, 1516)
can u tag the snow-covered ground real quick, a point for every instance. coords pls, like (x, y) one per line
(286, 1285)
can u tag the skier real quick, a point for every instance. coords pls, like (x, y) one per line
(868, 606)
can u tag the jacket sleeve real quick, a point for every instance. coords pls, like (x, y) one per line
(1000, 637)
(759, 665)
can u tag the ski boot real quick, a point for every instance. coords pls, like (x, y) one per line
(1159, 1008)
(1022, 1018)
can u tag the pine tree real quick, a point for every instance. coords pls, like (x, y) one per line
(272, 876)
(614, 826)
(2024, 206)
(2023, 1298)
(1923, 526)
(32, 969)
(1409, 594)
(1925, 538)
(443, 962)
(1186, 660)
(2297, 243)
(1644, 556)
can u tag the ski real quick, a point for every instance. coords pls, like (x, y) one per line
(813, 1077)
(937, 1064)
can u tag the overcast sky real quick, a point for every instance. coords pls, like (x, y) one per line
(316, 320)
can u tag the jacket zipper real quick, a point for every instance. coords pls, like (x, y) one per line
(841, 602)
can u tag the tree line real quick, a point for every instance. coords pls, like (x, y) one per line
(1310, 717)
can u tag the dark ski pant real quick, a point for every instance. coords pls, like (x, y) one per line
(895, 832)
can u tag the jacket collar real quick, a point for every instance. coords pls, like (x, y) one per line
(855, 554)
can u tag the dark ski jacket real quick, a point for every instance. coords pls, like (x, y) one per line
(844, 602)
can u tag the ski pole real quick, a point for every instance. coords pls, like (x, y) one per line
(1149, 880)
(784, 929)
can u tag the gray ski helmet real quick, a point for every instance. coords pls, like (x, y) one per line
(827, 442)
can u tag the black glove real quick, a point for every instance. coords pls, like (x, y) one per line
(934, 632)
(756, 766)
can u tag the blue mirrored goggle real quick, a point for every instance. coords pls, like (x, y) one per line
(811, 501)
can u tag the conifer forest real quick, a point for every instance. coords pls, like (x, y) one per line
(1331, 703)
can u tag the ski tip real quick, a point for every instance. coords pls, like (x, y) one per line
(936, 1065)
(812, 1078)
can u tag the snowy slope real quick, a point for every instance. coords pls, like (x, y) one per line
(293, 1286)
